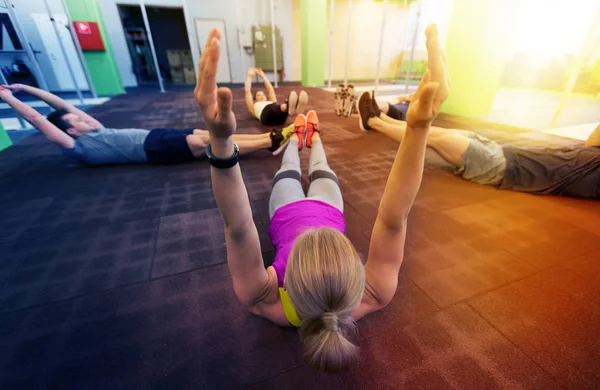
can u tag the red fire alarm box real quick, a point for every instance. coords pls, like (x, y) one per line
(89, 35)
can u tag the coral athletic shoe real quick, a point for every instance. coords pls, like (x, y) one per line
(300, 129)
(312, 127)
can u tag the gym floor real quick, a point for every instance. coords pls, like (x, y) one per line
(115, 277)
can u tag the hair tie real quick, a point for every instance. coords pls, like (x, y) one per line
(330, 321)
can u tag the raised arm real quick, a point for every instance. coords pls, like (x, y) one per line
(37, 120)
(248, 91)
(244, 258)
(55, 102)
(389, 232)
(268, 85)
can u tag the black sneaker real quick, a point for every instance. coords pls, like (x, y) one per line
(376, 109)
(365, 111)
(279, 141)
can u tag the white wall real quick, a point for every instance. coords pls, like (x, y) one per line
(23, 11)
(6, 59)
(250, 11)
(365, 31)
(44, 41)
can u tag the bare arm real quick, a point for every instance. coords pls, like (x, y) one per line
(594, 138)
(37, 120)
(386, 251)
(268, 85)
(56, 102)
(248, 92)
(244, 258)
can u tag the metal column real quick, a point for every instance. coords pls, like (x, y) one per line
(26, 46)
(274, 42)
(240, 27)
(383, 20)
(331, 23)
(86, 70)
(412, 50)
(64, 53)
(151, 43)
(348, 43)
(190, 35)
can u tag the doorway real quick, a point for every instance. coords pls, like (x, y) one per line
(171, 42)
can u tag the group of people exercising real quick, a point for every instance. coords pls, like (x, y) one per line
(317, 281)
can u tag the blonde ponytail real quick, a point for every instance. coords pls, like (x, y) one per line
(327, 349)
(325, 281)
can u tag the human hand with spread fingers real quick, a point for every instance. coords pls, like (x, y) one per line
(434, 88)
(5, 91)
(215, 103)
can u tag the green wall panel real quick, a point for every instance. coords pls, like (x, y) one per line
(314, 26)
(5, 141)
(476, 48)
(102, 64)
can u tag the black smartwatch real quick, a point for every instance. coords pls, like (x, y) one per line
(223, 163)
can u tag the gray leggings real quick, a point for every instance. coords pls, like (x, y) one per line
(287, 187)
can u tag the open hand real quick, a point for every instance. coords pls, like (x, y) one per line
(260, 72)
(434, 88)
(251, 73)
(14, 87)
(5, 92)
(215, 104)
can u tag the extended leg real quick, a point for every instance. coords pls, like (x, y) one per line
(384, 117)
(449, 144)
(236, 137)
(287, 186)
(247, 143)
(324, 185)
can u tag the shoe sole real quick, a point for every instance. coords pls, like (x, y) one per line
(348, 99)
(338, 100)
(280, 148)
(292, 103)
(302, 102)
(351, 107)
(308, 145)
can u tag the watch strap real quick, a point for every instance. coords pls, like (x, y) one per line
(223, 163)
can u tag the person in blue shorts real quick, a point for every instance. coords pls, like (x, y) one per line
(84, 140)
(395, 108)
